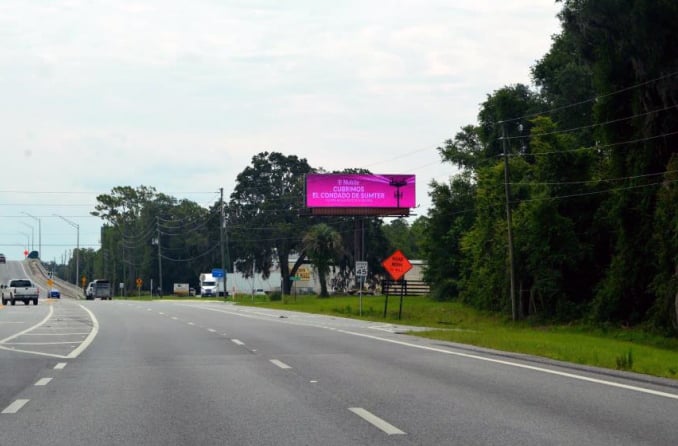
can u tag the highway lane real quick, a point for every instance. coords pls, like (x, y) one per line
(210, 373)
(31, 269)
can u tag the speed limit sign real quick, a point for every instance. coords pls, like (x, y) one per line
(361, 268)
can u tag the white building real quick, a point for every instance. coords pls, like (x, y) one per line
(307, 282)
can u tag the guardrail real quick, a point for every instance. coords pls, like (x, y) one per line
(37, 270)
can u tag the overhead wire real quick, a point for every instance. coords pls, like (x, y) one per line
(589, 100)
(190, 259)
(599, 180)
(596, 147)
(562, 197)
(601, 124)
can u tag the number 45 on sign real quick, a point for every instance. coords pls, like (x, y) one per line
(361, 269)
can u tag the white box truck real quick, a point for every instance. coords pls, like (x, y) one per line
(211, 286)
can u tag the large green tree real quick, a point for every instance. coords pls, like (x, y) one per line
(141, 224)
(591, 191)
(629, 46)
(264, 214)
(466, 248)
(450, 217)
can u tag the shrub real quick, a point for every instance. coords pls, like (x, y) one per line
(625, 361)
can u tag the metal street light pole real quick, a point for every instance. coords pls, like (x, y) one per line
(39, 231)
(77, 249)
(28, 239)
(32, 245)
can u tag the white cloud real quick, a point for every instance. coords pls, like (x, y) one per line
(181, 94)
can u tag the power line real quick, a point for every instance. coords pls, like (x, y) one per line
(597, 147)
(583, 194)
(600, 124)
(589, 100)
(599, 180)
(204, 254)
(563, 197)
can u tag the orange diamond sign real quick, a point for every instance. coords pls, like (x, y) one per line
(397, 265)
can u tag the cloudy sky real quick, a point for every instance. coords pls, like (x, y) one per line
(180, 94)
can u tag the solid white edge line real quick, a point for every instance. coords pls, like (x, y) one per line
(89, 339)
(43, 381)
(376, 421)
(522, 366)
(280, 364)
(60, 366)
(15, 406)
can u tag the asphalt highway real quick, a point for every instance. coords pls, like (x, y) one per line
(199, 373)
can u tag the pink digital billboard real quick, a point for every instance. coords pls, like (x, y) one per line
(360, 191)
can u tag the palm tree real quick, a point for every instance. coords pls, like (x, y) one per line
(322, 245)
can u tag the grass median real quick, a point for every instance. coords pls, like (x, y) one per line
(614, 348)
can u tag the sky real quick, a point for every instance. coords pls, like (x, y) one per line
(180, 94)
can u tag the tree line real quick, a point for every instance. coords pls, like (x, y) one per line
(592, 168)
(261, 226)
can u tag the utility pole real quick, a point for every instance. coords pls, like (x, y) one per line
(507, 189)
(157, 227)
(39, 231)
(222, 225)
(31, 245)
(77, 247)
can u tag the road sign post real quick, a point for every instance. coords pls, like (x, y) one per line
(361, 274)
(294, 280)
(396, 265)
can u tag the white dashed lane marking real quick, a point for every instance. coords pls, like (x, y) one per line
(280, 364)
(237, 341)
(60, 366)
(15, 406)
(43, 381)
(376, 421)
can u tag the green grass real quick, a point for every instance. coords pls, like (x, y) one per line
(613, 348)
